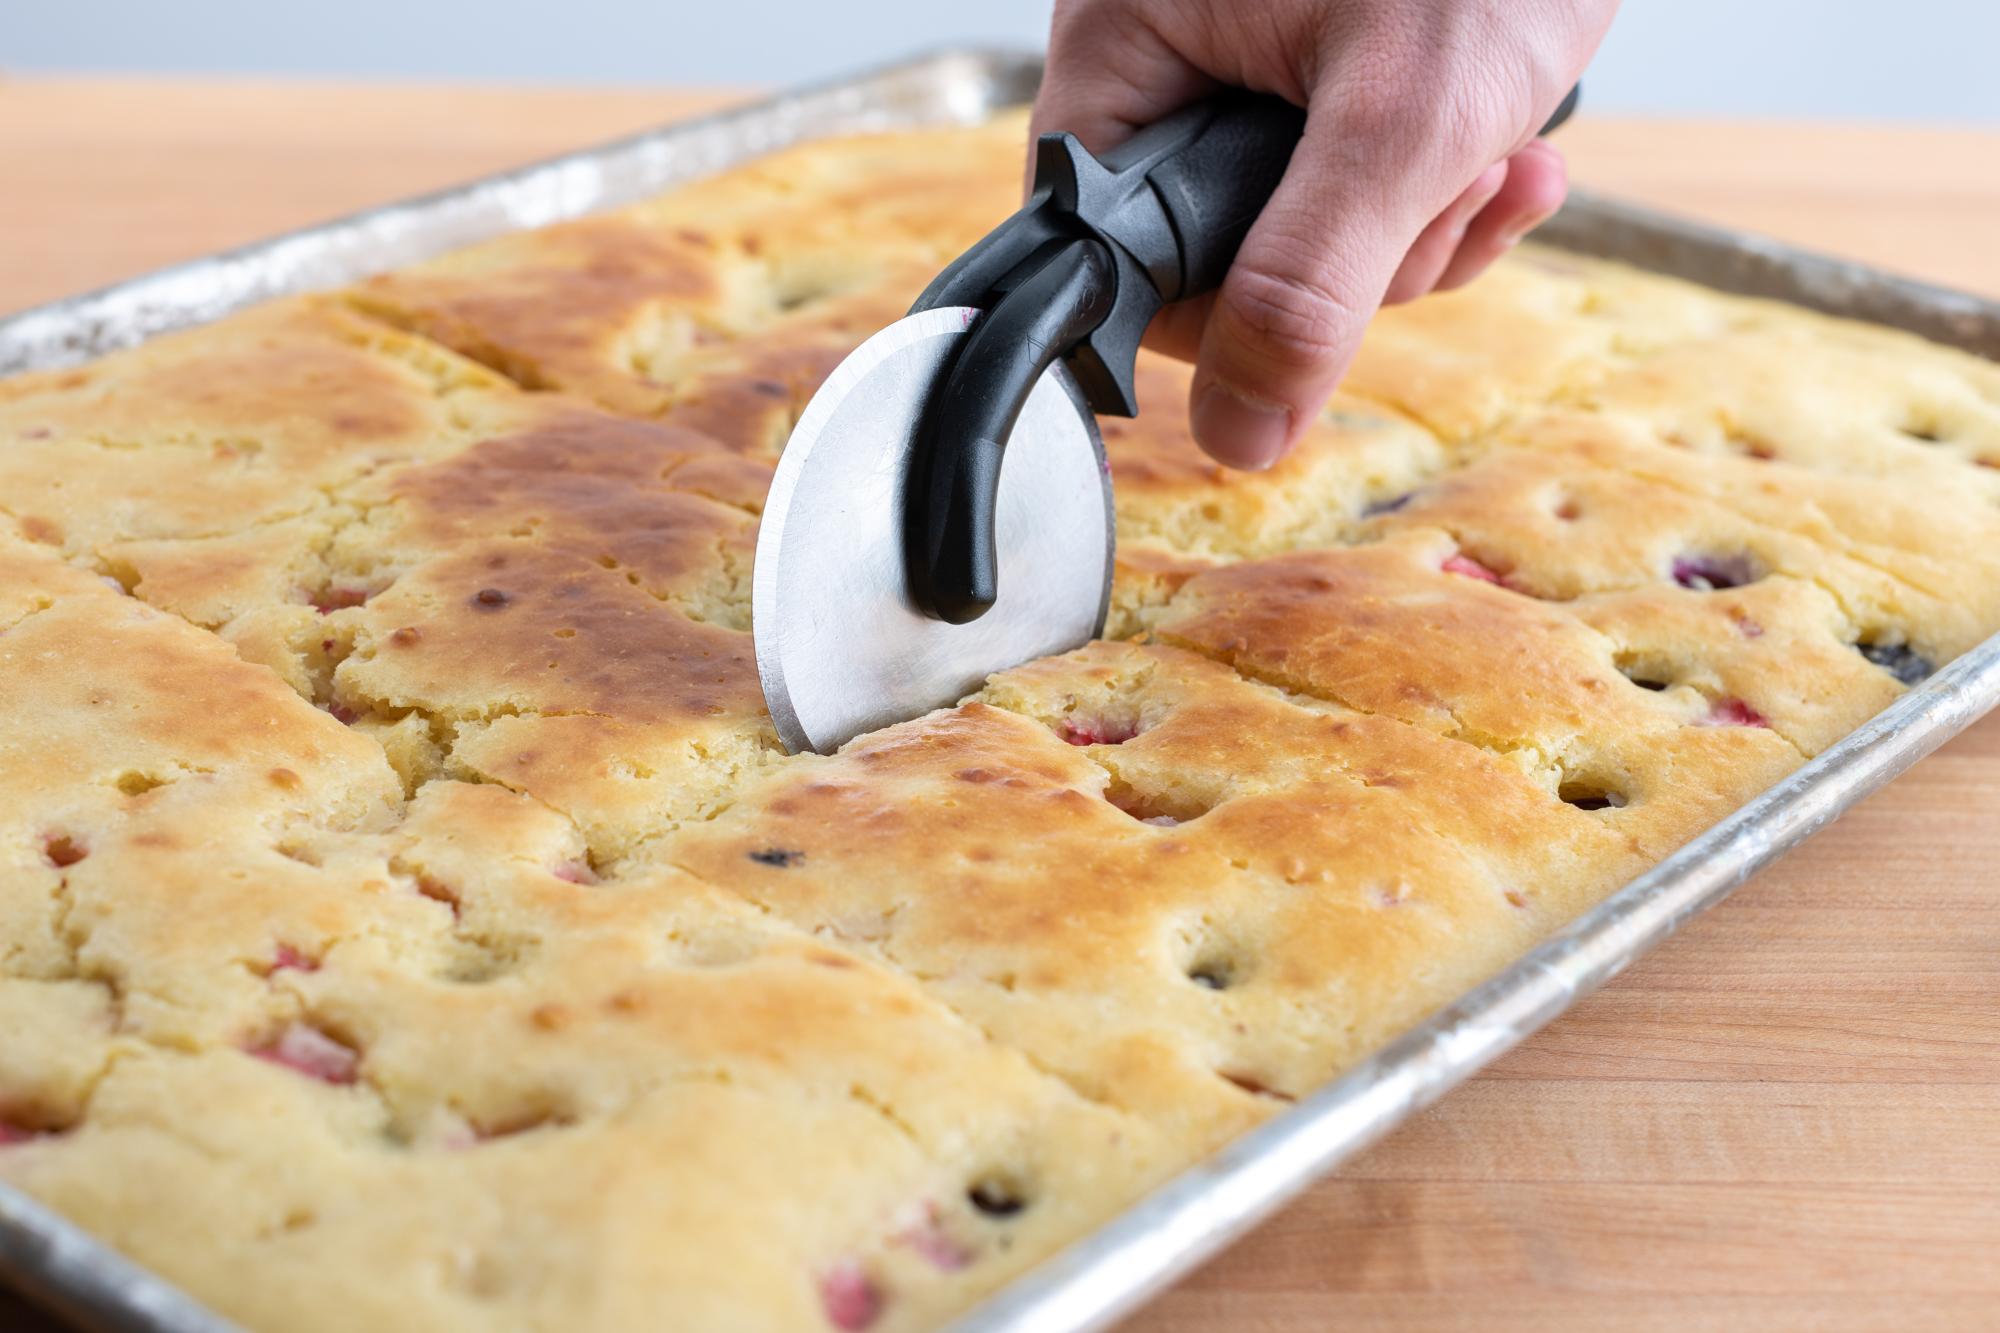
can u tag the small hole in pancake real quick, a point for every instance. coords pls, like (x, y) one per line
(1590, 796)
(1713, 573)
(63, 851)
(1212, 973)
(476, 962)
(1923, 432)
(333, 598)
(1162, 809)
(1256, 1087)
(295, 849)
(1751, 446)
(439, 892)
(996, 1196)
(1644, 679)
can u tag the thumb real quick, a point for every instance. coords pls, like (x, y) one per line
(1308, 277)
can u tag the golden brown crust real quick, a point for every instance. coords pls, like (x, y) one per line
(722, 306)
(399, 873)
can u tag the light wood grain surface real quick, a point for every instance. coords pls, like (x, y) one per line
(1786, 1118)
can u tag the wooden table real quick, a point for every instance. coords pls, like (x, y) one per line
(1789, 1117)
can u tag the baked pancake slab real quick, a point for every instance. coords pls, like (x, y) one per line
(408, 917)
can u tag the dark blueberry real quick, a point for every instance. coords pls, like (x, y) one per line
(1388, 506)
(1711, 573)
(779, 857)
(1899, 660)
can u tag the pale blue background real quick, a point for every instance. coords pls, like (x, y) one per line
(1935, 60)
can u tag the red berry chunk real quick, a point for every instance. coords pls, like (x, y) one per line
(311, 1052)
(850, 1298)
(63, 851)
(1734, 713)
(576, 872)
(11, 1134)
(1096, 731)
(291, 958)
(1466, 567)
(923, 1231)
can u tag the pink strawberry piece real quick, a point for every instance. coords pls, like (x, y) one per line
(576, 872)
(1734, 713)
(1096, 731)
(292, 959)
(339, 599)
(342, 713)
(1466, 567)
(923, 1231)
(12, 1134)
(850, 1298)
(309, 1051)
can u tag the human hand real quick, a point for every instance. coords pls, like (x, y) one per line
(1419, 166)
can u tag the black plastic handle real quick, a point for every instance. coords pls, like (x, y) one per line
(1077, 275)
(1111, 242)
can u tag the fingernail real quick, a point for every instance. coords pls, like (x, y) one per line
(1239, 429)
(1518, 232)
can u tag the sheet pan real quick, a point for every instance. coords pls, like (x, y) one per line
(1138, 1254)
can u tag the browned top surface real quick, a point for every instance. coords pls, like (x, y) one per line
(1789, 1204)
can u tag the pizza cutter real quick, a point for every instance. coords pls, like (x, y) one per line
(896, 570)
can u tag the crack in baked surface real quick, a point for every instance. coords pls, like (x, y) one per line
(399, 872)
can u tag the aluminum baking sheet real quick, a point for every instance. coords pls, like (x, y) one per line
(1138, 1254)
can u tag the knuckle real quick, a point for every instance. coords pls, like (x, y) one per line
(1431, 92)
(1296, 322)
